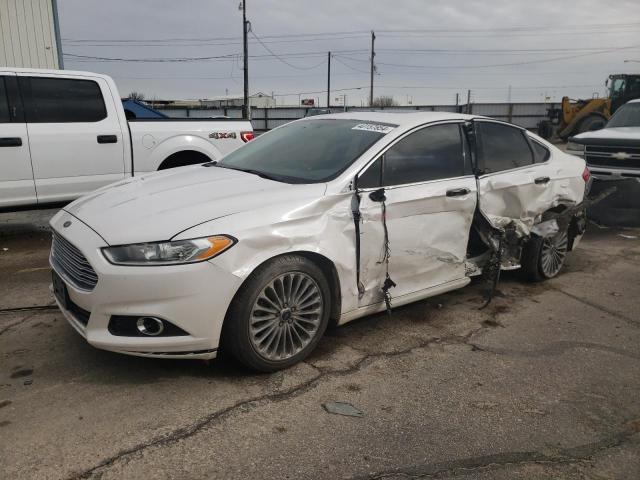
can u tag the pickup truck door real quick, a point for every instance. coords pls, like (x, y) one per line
(513, 184)
(16, 175)
(75, 135)
(430, 193)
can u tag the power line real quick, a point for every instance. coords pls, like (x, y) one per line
(280, 57)
(225, 57)
(529, 62)
(543, 29)
(149, 60)
(337, 59)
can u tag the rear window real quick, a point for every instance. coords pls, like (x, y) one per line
(62, 100)
(502, 147)
(307, 151)
(540, 153)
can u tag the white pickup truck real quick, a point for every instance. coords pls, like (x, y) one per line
(63, 134)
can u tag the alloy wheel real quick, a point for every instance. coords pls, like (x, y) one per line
(286, 316)
(553, 253)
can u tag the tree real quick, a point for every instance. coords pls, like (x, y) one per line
(139, 96)
(384, 101)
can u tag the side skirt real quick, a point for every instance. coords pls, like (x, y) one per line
(403, 300)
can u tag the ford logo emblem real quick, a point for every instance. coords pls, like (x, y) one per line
(66, 224)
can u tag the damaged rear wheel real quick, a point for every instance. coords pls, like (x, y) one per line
(543, 258)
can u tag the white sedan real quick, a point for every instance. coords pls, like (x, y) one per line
(325, 219)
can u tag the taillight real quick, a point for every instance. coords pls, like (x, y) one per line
(246, 136)
(586, 175)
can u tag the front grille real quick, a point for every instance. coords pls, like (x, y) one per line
(607, 156)
(72, 264)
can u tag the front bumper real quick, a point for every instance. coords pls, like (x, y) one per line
(194, 297)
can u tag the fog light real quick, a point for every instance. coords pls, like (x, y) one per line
(150, 326)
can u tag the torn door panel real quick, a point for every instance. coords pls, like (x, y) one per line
(428, 233)
(514, 198)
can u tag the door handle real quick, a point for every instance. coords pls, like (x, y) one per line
(542, 180)
(457, 192)
(10, 142)
(107, 139)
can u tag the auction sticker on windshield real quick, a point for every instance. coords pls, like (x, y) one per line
(374, 127)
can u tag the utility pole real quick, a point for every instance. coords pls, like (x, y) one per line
(468, 101)
(373, 67)
(245, 48)
(328, 80)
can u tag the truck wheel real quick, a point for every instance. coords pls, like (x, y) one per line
(279, 314)
(590, 123)
(543, 258)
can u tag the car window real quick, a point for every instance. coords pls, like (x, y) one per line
(431, 153)
(5, 117)
(372, 176)
(502, 147)
(626, 116)
(540, 153)
(62, 100)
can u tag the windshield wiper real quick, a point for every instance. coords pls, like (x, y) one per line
(254, 172)
(260, 174)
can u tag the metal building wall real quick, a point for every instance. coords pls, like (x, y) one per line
(527, 115)
(29, 35)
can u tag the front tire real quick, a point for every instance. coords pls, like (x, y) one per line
(543, 258)
(279, 314)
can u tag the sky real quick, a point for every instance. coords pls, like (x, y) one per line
(427, 51)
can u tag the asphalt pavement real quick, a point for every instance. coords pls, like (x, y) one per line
(543, 383)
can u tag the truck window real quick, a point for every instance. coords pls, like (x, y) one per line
(4, 103)
(62, 100)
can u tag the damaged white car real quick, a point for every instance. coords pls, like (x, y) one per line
(324, 219)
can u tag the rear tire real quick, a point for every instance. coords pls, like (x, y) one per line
(543, 258)
(279, 314)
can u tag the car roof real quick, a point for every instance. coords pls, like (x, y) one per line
(635, 100)
(402, 119)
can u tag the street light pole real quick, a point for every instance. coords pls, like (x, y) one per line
(245, 48)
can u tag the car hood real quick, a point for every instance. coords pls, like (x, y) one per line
(160, 205)
(616, 133)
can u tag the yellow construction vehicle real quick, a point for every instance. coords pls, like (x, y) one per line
(577, 116)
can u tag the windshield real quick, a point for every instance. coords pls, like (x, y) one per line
(627, 116)
(308, 151)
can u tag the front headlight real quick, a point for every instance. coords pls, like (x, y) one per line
(169, 253)
(575, 148)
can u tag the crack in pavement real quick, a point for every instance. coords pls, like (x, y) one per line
(556, 348)
(497, 461)
(18, 322)
(6, 311)
(599, 307)
(255, 402)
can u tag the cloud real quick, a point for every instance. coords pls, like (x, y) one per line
(462, 24)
